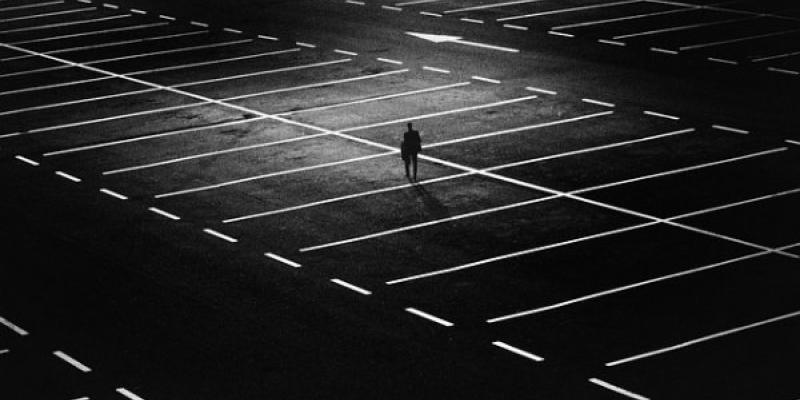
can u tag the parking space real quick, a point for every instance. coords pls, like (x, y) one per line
(548, 221)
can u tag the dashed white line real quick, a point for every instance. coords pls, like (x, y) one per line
(430, 14)
(434, 69)
(200, 24)
(63, 24)
(783, 71)
(89, 33)
(127, 393)
(351, 286)
(356, 2)
(413, 2)
(794, 142)
(283, 260)
(680, 28)
(517, 27)
(518, 351)
(68, 176)
(345, 52)
(429, 317)
(483, 79)
(138, 11)
(598, 102)
(730, 129)
(566, 10)
(737, 40)
(617, 389)
(220, 235)
(114, 194)
(15, 328)
(704, 339)
(661, 115)
(735, 204)
(538, 90)
(611, 42)
(71, 361)
(625, 18)
(49, 3)
(389, 60)
(472, 20)
(663, 51)
(391, 8)
(722, 60)
(564, 34)
(166, 17)
(4, 351)
(266, 37)
(50, 14)
(304, 44)
(111, 6)
(27, 160)
(164, 213)
(490, 5)
(231, 30)
(776, 56)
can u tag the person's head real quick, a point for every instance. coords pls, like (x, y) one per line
(409, 126)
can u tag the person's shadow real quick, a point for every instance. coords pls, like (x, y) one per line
(432, 205)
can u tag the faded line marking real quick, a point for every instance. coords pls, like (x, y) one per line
(730, 129)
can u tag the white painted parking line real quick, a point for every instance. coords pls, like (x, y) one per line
(71, 361)
(304, 44)
(703, 339)
(350, 286)
(518, 351)
(68, 177)
(429, 317)
(63, 24)
(661, 115)
(776, 56)
(722, 60)
(111, 6)
(109, 44)
(472, 20)
(73, 102)
(794, 142)
(438, 114)
(590, 149)
(566, 10)
(356, 2)
(377, 98)
(426, 224)
(345, 52)
(664, 51)
(231, 30)
(430, 14)
(737, 40)
(270, 175)
(265, 37)
(682, 170)
(92, 33)
(620, 19)
(283, 260)
(730, 129)
(265, 72)
(219, 235)
(27, 160)
(344, 197)
(34, 5)
(164, 213)
(490, 5)
(113, 194)
(564, 34)
(517, 27)
(4, 351)
(783, 71)
(413, 2)
(15, 328)
(138, 11)
(434, 69)
(210, 154)
(50, 14)
(53, 86)
(199, 63)
(617, 389)
(200, 24)
(598, 102)
(483, 79)
(82, 398)
(624, 288)
(538, 90)
(736, 204)
(166, 17)
(127, 393)
(389, 60)
(516, 254)
(680, 28)
(611, 42)
(391, 8)
(316, 85)
(519, 129)
(149, 137)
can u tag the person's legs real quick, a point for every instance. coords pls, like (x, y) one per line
(414, 161)
(407, 161)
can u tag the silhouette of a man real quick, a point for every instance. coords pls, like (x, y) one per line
(411, 146)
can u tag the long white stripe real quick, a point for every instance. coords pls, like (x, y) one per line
(773, 57)
(71, 361)
(566, 10)
(517, 254)
(92, 33)
(283, 260)
(266, 72)
(27, 160)
(736, 204)
(737, 40)
(195, 64)
(73, 102)
(220, 235)
(617, 389)
(518, 351)
(270, 175)
(603, 293)
(703, 339)
(62, 24)
(15, 328)
(35, 5)
(491, 5)
(127, 393)
(352, 287)
(113, 194)
(54, 85)
(438, 114)
(50, 14)
(681, 28)
(164, 213)
(429, 317)
(625, 18)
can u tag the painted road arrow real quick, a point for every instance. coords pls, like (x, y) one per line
(457, 39)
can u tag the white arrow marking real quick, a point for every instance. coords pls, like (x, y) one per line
(457, 39)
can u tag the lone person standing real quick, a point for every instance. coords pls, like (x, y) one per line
(409, 148)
